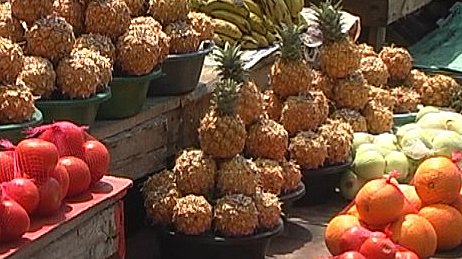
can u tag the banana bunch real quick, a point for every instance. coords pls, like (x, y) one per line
(253, 23)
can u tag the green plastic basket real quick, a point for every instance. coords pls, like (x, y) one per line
(403, 119)
(81, 112)
(14, 132)
(129, 94)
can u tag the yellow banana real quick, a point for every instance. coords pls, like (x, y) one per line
(256, 23)
(218, 40)
(285, 14)
(300, 20)
(269, 24)
(274, 13)
(253, 7)
(261, 40)
(226, 28)
(239, 21)
(290, 5)
(224, 39)
(270, 38)
(248, 42)
(227, 5)
(295, 7)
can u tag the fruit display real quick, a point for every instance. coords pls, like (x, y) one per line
(387, 218)
(56, 162)
(252, 23)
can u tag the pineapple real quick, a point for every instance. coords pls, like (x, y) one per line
(269, 210)
(107, 17)
(382, 96)
(379, 118)
(354, 118)
(97, 43)
(308, 149)
(11, 60)
(167, 11)
(374, 71)
(192, 215)
(30, 11)
(352, 92)
(267, 139)
(183, 37)
(160, 197)
(339, 55)
(141, 49)
(438, 91)
(366, 50)
(291, 174)
(202, 24)
(407, 100)
(272, 105)
(417, 80)
(455, 101)
(235, 216)
(16, 104)
(103, 63)
(231, 66)
(339, 137)
(78, 76)
(270, 175)
(237, 175)
(295, 117)
(195, 172)
(137, 7)
(290, 74)
(323, 83)
(73, 11)
(38, 74)
(10, 27)
(398, 62)
(222, 132)
(50, 37)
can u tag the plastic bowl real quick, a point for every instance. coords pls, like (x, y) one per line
(14, 132)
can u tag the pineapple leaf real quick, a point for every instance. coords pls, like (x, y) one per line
(230, 63)
(226, 96)
(291, 43)
(329, 19)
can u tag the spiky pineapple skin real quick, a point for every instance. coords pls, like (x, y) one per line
(354, 118)
(267, 139)
(251, 105)
(407, 100)
(324, 83)
(195, 172)
(167, 12)
(183, 37)
(97, 43)
(38, 74)
(11, 60)
(235, 216)
(10, 26)
(137, 7)
(290, 78)
(192, 215)
(340, 59)
(107, 17)
(202, 24)
(294, 117)
(272, 105)
(292, 175)
(270, 175)
(398, 62)
(379, 118)
(438, 90)
(308, 149)
(16, 104)
(30, 11)
(367, 50)
(352, 92)
(269, 210)
(50, 37)
(237, 175)
(417, 80)
(73, 11)
(374, 70)
(103, 63)
(382, 96)
(339, 138)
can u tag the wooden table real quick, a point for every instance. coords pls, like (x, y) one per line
(378, 14)
(90, 226)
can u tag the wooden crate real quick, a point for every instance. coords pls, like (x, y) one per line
(88, 227)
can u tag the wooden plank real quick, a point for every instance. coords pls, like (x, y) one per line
(398, 9)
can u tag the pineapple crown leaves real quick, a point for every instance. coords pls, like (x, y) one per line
(226, 96)
(230, 63)
(329, 19)
(290, 45)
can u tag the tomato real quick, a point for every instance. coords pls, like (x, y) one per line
(37, 158)
(14, 220)
(97, 158)
(50, 197)
(378, 248)
(6, 166)
(24, 192)
(62, 176)
(79, 175)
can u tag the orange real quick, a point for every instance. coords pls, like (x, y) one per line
(415, 233)
(412, 202)
(438, 180)
(352, 211)
(458, 203)
(335, 229)
(447, 222)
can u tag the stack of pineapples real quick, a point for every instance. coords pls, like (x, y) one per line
(69, 47)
